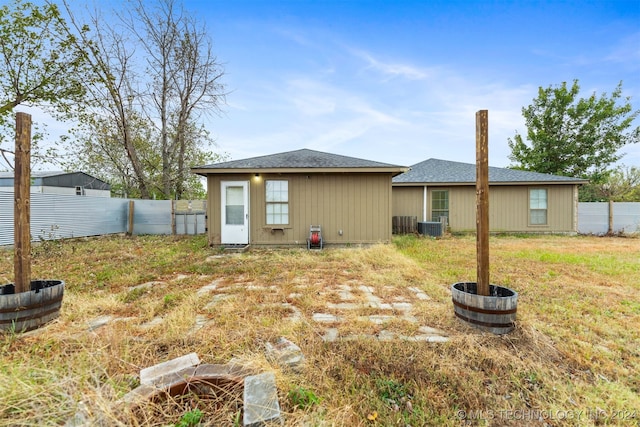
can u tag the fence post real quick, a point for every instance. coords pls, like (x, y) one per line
(173, 216)
(610, 227)
(130, 228)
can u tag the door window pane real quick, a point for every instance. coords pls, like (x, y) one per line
(234, 207)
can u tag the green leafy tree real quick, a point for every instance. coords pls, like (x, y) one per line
(40, 65)
(571, 136)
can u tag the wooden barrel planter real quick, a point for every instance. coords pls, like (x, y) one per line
(495, 313)
(25, 311)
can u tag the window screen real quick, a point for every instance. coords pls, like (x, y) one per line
(277, 199)
(439, 204)
(538, 206)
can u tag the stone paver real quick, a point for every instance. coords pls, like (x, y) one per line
(296, 314)
(208, 288)
(152, 323)
(325, 318)
(201, 322)
(148, 285)
(99, 322)
(344, 306)
(330, 335)
(420, 294)
(260, 400)
(216, 299)
(286, 354)
(149, 375)
(345, 293)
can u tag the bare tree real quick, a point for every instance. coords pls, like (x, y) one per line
(153, 69)
(185, 82)
(111, 90)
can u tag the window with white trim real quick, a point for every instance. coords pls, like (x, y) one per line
(439, 204)
(538, 206)
(277, 202)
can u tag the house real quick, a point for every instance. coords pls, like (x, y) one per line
(519, 201)
(71, 183)
(275, 199)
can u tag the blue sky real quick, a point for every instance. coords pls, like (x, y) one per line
(400, 81)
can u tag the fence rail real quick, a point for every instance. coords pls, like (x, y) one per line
(56, 216)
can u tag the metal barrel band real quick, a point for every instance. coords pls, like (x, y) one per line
(487, 324)
(38, 315)
(38, 305)
(482, 310)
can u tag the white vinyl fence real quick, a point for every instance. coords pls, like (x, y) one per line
(62, 216)
(593, 217)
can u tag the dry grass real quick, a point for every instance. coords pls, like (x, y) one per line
(574, 358)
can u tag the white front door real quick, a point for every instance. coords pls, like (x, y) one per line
(235, 213)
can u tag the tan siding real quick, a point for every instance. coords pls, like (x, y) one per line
(407, 201)
(357, 203)
(462, 207)
(561, 208)
(508, 207)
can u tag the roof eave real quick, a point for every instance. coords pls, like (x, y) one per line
(396, 170)
(453, 184)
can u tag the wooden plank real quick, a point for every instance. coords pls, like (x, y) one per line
(404, 224)
(22, 204)
(482, 200)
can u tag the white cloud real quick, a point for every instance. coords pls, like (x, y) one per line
(389, 69)
(627, 51)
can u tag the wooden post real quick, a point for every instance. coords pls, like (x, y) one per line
(130, 225)
(22, 204)
(173, 216)
(610, 226)
(482, 200)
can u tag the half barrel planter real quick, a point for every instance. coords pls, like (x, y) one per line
(495, 313)
(25, 311)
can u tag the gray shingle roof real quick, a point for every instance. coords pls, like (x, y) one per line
(36, 174)
(305, 158)
(443, 171)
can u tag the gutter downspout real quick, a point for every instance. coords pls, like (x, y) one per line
(424, 204)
